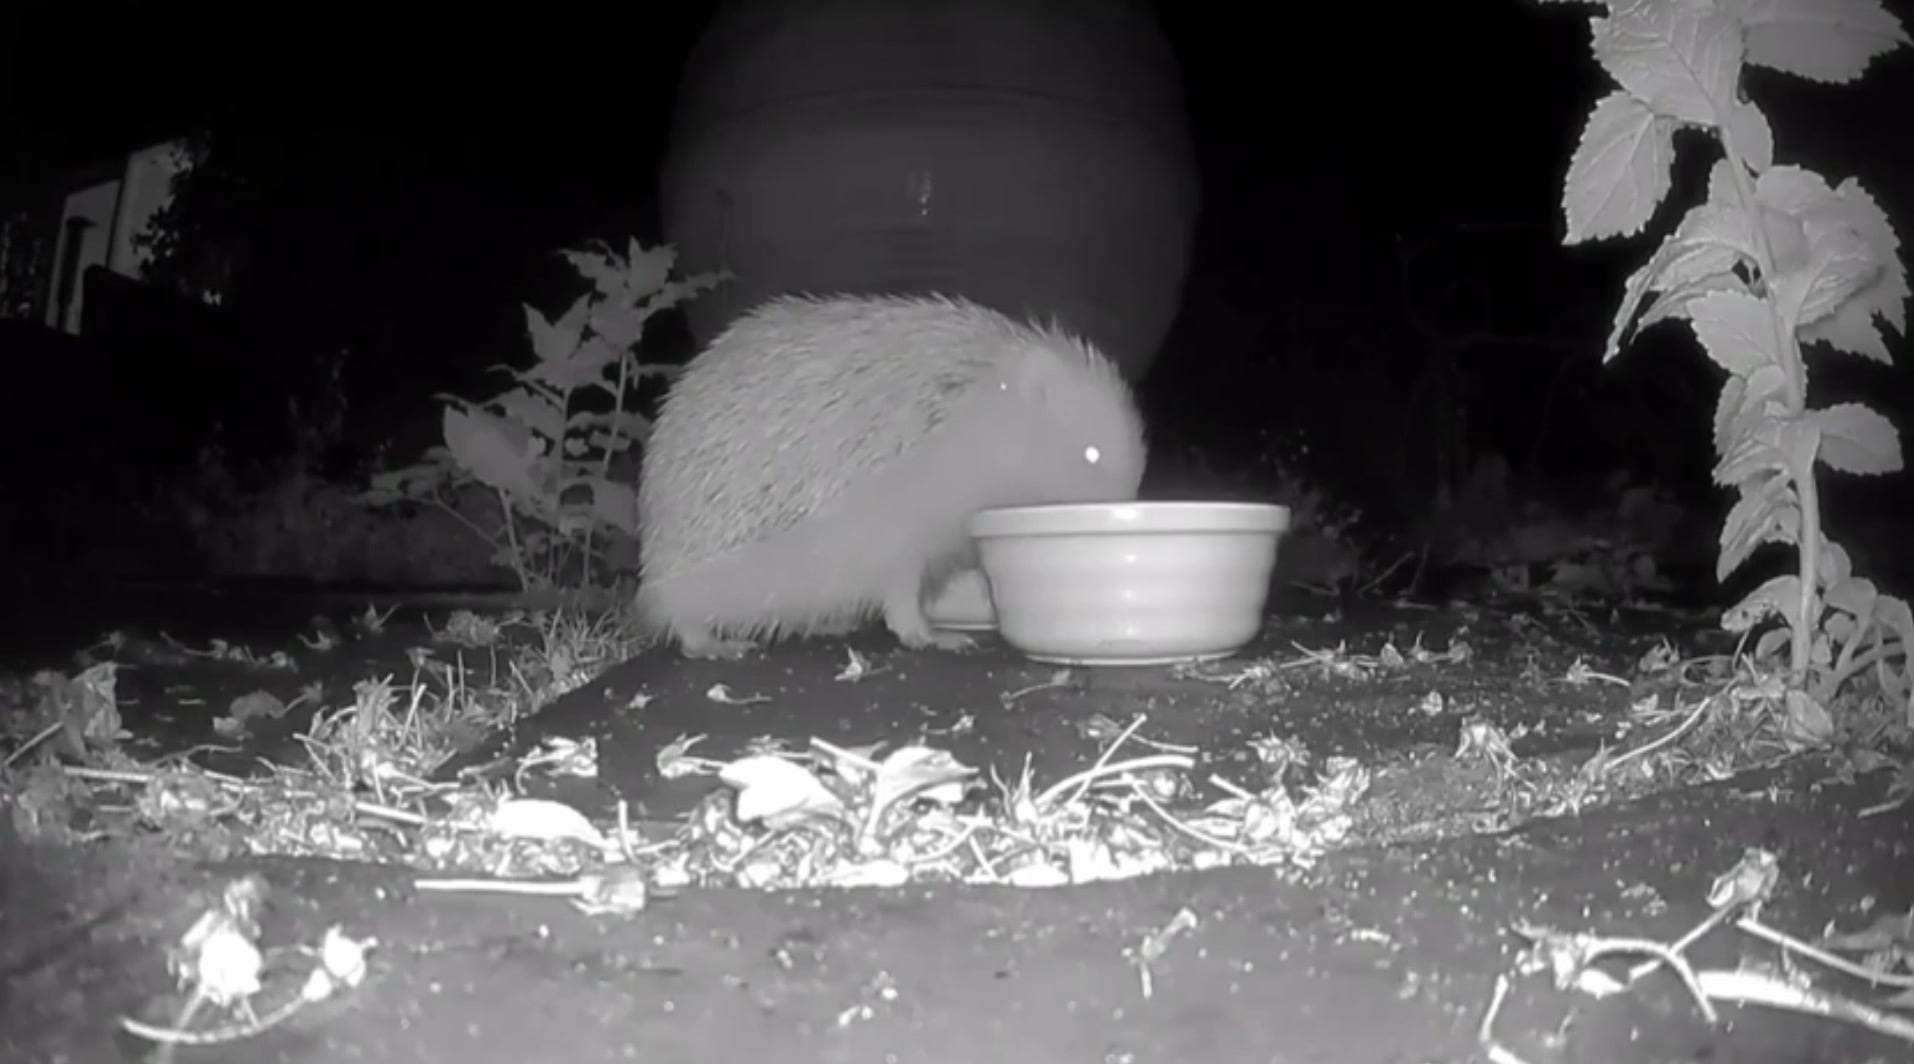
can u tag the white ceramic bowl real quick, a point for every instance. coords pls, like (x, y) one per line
(1141, 583)
(963, 605)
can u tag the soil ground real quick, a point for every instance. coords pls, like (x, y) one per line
(1383, 952)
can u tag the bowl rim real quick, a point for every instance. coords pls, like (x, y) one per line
(1130, 518)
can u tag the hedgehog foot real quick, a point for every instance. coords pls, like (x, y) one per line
(931, 638)
(904, 616)
(702, 644)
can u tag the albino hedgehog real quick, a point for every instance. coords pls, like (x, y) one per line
(817, 463)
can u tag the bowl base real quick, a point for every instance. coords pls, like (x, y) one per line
(1127, 661)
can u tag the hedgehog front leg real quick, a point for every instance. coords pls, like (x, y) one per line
(904, 616)
(700, 642)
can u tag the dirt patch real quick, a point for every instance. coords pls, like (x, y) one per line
(1384, 952)
(1380, 954)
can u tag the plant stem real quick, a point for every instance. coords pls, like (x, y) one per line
(1808, 549)
(511, 538)
(1794, 383)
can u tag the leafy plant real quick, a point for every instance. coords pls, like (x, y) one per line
(1775, 260)
(210, 217)
(541, 447)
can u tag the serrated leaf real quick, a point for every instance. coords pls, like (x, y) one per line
(1634, 290)
(531, 410)
(593, 440)
(1737, 331)
(1830, 41)
(666, 372)
(1855, 439)
(1800, 442)
(492, 451)
(1844, 229)
(1851, 327)
(599, 266)
(648, 269)
(1620, 170)
(418, 480)
(586, 368)
(1721, 184)
(1792, 190)
(1839, 266)
(523, 378)
(554, 341)
(570, 522)
(560, 378)
(1892, 611)
(1754, 400)
(679, 291)
(622, 327)
(1727, 408)
(1787, 239)
(1854, 205)
(1778, 597)
(1764, 384)
(1682, 60)
(626, 424)
(1765, 513)
(1698, 257)
(634, 250)
(615, 504)
(1755, 452)
(544, 335)
(1711, 238)
(1748, 129)
(1674, 303)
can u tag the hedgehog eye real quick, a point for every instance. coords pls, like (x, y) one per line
(1092, 454)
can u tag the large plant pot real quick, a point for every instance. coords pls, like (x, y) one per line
(1032, 155)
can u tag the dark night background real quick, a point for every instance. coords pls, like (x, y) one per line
(1379, 247)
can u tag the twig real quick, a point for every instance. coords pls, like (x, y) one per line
(106, 775)
(1601, 946)
(1200, 836)
(1384, 575)
(1680, 730)
(1485, 1034)
(1089, 775)
(1681, 945)
(45, 733)
(838, 753)
(178, 1036)
(1759, 989)
(1885, 807)
(1815, 953)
